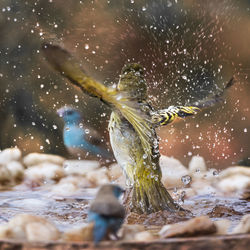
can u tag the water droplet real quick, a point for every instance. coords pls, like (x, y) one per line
(86, 46)
(186, 179)
(144, 8)
(87, 131)
(215, 173)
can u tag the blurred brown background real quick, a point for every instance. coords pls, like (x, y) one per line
(189, 48)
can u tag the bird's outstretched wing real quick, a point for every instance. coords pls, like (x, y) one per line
(172, 113)
(216, 98)
(66, 65)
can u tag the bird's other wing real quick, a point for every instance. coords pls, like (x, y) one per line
(216, 98)
(172, 113)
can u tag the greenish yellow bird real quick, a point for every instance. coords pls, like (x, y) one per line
(132, 127)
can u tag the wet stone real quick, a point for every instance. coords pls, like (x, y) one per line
(10, 154)
(11, 174)
(172, 172)
(222, 211)
(197, 164)
(222, 226)
(70, 185)
(38, 158)
(30, 228)
(79, 167)
(234, 179)
(81, 233)
(159, 218)
(144, 236)
(98, 177)
(244, 226)
(44, 172)
(128, 232)
(193, 227)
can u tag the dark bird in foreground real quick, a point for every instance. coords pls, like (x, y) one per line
(106, 212)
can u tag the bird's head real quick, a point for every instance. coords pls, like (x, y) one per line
(132, 81)
(69, 114)
(110, 189)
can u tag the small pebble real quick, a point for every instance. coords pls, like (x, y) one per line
(222, 226)
(37, 158)
(29, 228)
(75, 167)
(83, 233)
(143, 236)
(128, 232)
(98, 177)
(45, 172)
(10, 154)
(70, 185)
(193, 227)
(197, 164)
(244, 226)
(172, 172)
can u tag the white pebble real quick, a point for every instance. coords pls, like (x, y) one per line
(172, 171)
(244, 226)
(45, 172)
(76, 167)
(37, 158)
(143, 236)
(10, 154)
(29, 227)
(197, 164)
(98, 177)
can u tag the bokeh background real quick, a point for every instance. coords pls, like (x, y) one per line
(190, 49)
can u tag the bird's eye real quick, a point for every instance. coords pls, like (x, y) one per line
(70, 112)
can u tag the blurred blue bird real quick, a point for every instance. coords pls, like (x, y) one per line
(106, 212)
(80, 140)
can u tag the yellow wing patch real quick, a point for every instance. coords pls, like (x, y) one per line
(170, 114)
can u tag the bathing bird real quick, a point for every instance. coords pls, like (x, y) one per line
(132, 127)
(106, 212)
(81, 140)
